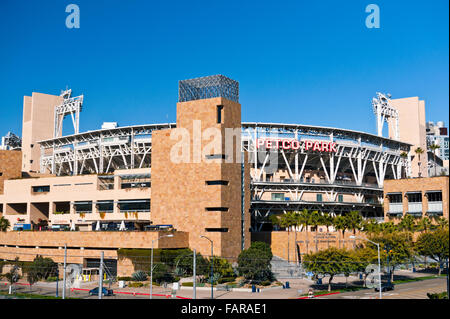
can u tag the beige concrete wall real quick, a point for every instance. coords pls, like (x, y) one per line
(80, 188)
(412, 130)
(283, 243)
(38, 124)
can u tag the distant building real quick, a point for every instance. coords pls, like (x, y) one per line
(438, 160)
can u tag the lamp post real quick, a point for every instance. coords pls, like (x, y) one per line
(379, 262)
(212, 262)
(151, 265)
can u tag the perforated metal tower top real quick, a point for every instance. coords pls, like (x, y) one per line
(208, 87)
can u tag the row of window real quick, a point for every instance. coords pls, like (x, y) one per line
(415, 197)
(319, 197)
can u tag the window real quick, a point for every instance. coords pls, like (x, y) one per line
(414, 197)
(217, 209)
(83, 207)
(319, 197)
(434, 196)
(106, 206)
(340, 198)
(1, 173)
(395, 198)
(219, 114)
(134, 205)
(220, 230)
(277, 196)
(219, 182)
(40, 189)
(216, 156)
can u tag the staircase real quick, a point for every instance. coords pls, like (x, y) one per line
(283, 270)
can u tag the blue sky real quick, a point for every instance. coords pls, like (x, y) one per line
(308, 62)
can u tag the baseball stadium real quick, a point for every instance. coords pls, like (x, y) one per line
(123, 178)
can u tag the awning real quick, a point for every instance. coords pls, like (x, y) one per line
(83, 203)
(413, 192)
(129, 176)
(439, 191)
(394, 193)
(136, 201)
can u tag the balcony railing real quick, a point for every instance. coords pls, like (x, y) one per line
(434, 207)
(415, 208)
(396, 208)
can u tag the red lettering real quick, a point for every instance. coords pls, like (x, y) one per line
(333, 147)
(316, 146)
(286, 146)
(308, 145)
(295, 145)
(325, 147)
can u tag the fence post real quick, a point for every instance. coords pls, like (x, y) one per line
(100, 279)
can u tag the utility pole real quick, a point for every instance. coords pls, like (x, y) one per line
(195, 274)
(100, 279)
(64, 272)
(448, 292)
(57, 280)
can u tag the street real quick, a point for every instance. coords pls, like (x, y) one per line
(412, 290)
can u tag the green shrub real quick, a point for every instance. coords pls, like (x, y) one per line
(188, 284)
(226, 279)
(52, 279)
(125, 278)
(265, 283)
(442, 295)
(139, 276)
(135, 284)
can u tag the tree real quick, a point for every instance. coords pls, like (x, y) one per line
(44, 267)
(327, 220)
(354, 221)
(254, 263)
(363, 257)
(222, 267)
(287, 220)
(4, 224)
(13, 275)
(184, 264)
(442, 222)
(433, 147)
(419, 151)
(329, 262)
(32, 277)
(408, 223)
(424, 224)
(397, 247)
(434, 245)
(371, 227)
(340, 223)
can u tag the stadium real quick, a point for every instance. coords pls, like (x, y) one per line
(122, 178)
(348, 176)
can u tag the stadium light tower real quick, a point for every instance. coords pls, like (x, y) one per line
(385, 112)
(70, 105)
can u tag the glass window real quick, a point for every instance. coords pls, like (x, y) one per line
(435, 197)
(395, 198)
(277, 196)
(415, 197)
(319, 197)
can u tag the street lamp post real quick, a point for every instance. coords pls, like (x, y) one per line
(212, 262)
(379, 262)
(151, 264)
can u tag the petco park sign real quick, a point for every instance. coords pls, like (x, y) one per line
(293, 144)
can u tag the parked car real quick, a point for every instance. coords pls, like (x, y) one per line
(385, 286)
(105, 292)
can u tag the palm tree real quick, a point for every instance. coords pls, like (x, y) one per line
(4, 224)
(340, 223)
(419, 151)
(408, 223)
(304, 220)
(424, 224)
(442, 222)
(354, 221)
(433, 147)
(315, 221)
(287, 220)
